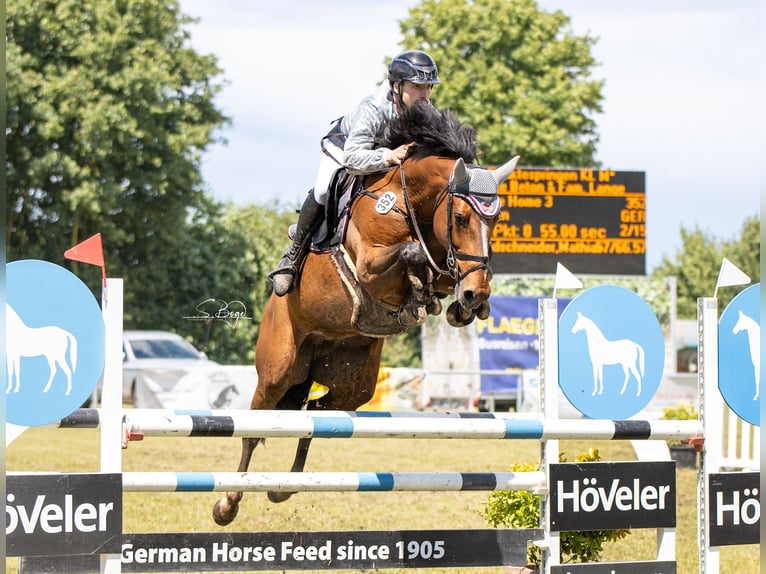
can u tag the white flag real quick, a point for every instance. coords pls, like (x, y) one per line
(565, 279)
(729, 275)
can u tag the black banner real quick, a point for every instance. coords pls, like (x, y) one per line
(63, 514)
(648, 567)
(264, 551)
(735, 508)
(613, 495)
(592, 221)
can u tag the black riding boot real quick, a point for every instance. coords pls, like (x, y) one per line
(310, 217)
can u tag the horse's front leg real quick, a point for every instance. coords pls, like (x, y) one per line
(399, 274)
(227, 507)
(384, 271)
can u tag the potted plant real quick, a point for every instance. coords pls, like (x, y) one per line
(521, 509)
(683, 453)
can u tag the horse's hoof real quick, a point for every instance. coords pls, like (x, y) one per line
(434, 307)
(279, 496)
(456, 315)
(483, 311)
(223, 512)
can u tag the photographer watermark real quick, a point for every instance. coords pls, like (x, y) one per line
(230, 312)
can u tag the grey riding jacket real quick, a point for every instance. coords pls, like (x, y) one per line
(364, 128)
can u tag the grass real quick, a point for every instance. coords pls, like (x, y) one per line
(75, 450)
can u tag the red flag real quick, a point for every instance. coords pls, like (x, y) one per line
(89, 251)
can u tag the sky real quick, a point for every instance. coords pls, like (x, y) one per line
(680, 97)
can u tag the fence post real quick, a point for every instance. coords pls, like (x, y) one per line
(711, 417)
(111, 396)
(549, 405)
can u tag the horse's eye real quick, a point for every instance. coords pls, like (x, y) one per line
(461, 220)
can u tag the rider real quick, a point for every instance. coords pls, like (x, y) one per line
(411, 76)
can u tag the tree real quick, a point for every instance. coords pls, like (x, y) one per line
(515, 73)
(109, 111)
(698, 261)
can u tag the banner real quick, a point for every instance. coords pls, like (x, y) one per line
(509, 341)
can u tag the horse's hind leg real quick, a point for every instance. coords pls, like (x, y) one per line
(227, 507)
(52, 367)
(294, 399)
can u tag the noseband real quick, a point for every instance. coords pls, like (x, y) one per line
(452, 270)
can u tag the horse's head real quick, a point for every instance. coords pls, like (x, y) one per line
(463, 222)
(451, 206)
(579, 323)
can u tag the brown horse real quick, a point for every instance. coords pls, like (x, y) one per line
(415, 235)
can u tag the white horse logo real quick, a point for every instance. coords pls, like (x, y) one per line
(51, 342)
(602, 352)
(753, 330)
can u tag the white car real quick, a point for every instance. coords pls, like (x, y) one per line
(156, 351)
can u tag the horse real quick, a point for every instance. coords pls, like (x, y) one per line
(51, 342)
(414, 235)
(602, 351)
(753, 330)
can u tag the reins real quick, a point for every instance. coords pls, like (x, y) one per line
(414, 221)
(452, 268)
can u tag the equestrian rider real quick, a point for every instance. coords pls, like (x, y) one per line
(411, 76)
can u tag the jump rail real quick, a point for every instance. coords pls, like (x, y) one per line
(332, 481)
(366, 424)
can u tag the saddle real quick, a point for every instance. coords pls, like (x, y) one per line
(343, 189)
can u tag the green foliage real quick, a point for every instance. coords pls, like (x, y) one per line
(403, 350)
(655, 290)
(516, 73)
(521, 509)
(109, 111)
(681, 412)
(697, 262)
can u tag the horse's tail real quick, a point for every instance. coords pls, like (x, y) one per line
(72, 351)
(640, 360)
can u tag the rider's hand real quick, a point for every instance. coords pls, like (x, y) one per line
(396, 156)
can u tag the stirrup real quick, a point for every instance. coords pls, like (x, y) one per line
(282, 280)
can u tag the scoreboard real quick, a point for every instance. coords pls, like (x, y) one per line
(590, 220)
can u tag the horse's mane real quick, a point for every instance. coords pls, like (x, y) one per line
(436, 132)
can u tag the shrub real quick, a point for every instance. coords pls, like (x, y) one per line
(521, 509)
(681, 412)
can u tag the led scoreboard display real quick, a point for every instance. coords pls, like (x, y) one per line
(590, 220)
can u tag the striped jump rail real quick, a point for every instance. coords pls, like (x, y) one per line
(332, 481)
(373, 424)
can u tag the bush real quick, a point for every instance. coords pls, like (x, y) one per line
(521, 509)
(681, 412)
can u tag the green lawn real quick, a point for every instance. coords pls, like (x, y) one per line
(50, 449)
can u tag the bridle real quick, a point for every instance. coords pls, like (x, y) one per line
(453, 255)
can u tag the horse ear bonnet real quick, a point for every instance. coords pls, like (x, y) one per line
(481, 192)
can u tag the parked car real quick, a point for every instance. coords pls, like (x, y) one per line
(163, 350)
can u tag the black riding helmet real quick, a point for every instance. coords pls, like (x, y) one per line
(413, 66)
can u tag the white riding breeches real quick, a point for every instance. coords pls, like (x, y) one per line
(327, 168)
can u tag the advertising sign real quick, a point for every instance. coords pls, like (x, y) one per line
(739, 354)
(281, 551)
(54, 343)
(611, 353)
(63, 514)
(613, 495)
(509, 339)
(735, 508)
(646, 567)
